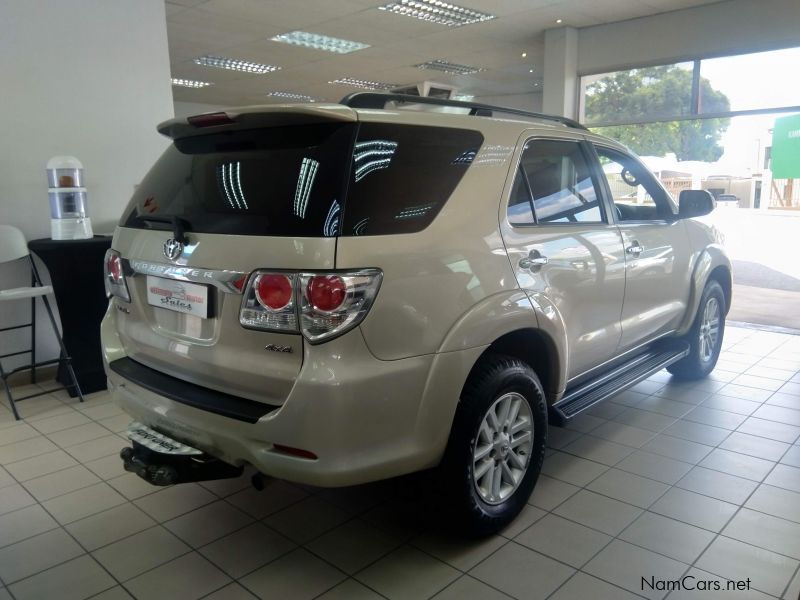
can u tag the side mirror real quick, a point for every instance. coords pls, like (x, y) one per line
(695, 203)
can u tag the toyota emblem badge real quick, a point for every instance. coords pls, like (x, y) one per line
(173, 249)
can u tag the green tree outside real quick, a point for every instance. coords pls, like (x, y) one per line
(658, 92)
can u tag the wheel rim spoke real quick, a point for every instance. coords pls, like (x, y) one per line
(709, 330)
(516, 459)
(521, 439)
(509, 476)
(501, 450)
(505, 410)
(497, 480)
(491, 421)
(482, 452)
(484, 468)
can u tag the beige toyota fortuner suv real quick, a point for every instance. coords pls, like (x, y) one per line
(337, 294)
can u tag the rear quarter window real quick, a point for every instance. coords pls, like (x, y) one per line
(402, 176)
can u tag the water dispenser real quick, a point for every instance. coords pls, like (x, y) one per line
(69, 218)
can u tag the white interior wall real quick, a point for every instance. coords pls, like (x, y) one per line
(88, 78)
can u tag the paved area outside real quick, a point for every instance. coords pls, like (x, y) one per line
(666, 480)
(765, 249)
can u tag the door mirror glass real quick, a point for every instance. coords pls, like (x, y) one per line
(695, 203)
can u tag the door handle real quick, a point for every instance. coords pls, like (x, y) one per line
(635, 248)
(534, 260)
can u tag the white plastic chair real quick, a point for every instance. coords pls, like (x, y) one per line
(13, 247)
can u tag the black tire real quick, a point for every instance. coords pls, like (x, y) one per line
(495, 377)
(696, 365)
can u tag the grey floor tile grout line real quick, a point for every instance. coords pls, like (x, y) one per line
(670, 486)
(716, 534)
(581, 434)
(791, 580)
(59, 526)
(728, 522)
(607, 544)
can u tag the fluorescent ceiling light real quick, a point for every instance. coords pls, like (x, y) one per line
(438, 12)
(233, 64)
(190, 83)
(319, 42)
(364, 84)
(448, 67)
(292, 96)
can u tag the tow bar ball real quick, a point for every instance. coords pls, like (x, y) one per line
(163, 469)
(155, 474)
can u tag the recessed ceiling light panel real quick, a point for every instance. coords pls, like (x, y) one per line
(190, 83)
(292, 96)
(319, 42)
(233, 64)
(448, 67)
(435, 11)
(364, 84)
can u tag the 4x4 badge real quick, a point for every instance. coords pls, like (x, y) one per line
(172, 249)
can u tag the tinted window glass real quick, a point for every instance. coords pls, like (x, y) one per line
(560, 183)
(520, 206)
(402, 175)
(280, 181)
(634, 191)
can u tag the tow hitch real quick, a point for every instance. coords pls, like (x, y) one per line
(160, 460)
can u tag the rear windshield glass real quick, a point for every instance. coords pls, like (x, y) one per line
(292, 181)
(402, 175)
(281, 181)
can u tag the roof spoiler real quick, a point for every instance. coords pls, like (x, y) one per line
(252, 117)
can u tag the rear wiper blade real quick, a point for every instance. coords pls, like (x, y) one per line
(179, 226)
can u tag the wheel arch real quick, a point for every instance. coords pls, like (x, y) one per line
(535, 348)
(712, 263)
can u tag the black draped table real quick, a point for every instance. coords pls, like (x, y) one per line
(76, 272)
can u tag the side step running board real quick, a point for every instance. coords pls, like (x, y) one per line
(618, 379)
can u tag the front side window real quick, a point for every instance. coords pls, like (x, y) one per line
(634, 191)
(554, 185)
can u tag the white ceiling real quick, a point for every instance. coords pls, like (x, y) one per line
(241, 29)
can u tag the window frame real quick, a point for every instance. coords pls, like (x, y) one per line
(592, 163)
(593, 145)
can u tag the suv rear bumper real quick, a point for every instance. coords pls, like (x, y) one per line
(365, 419)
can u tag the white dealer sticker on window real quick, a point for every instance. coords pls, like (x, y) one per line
(180, 296)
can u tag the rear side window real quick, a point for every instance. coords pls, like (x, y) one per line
(554, 185)
(280, 181)
(402, 175)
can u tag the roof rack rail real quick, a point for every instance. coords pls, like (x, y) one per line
(378, 100)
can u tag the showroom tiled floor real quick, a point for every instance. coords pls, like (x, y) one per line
(662, 481)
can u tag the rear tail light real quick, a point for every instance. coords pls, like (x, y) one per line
(269, 302)
(326, 292)
(115, 276)
(332, 303)
(318, 305)
(273, 291)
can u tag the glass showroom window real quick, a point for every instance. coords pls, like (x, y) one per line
(702, 124)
